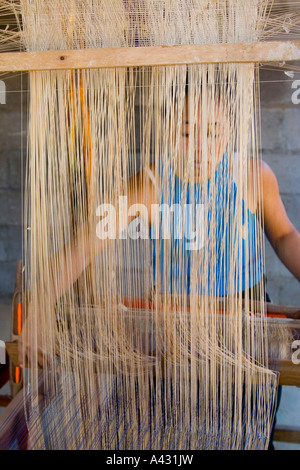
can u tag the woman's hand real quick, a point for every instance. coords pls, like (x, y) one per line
(35, 339)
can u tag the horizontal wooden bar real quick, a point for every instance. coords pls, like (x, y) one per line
(289, 311)
(287, 434)
(289, 373)
(273, 51)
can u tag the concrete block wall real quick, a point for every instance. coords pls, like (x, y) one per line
(13, 115)
(280, 149)
(280, 122)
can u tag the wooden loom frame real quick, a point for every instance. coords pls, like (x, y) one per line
(256, 52)
(263, 52)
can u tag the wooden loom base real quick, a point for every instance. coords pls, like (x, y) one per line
(14, 432)
(287, 317)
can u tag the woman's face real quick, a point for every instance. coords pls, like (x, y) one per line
(203, 139)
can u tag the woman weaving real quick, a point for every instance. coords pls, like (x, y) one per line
(200, 161)
(204, 227)
(189, 376)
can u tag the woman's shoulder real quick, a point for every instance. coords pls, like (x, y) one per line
(262, 180)
(262, 173)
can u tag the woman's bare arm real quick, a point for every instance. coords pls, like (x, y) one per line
(280, 231)
(82, 249)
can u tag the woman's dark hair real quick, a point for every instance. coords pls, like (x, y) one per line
(218, 85)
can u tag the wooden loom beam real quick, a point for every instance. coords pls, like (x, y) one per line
(257, 52)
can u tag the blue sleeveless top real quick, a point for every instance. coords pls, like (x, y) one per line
(196, 242)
